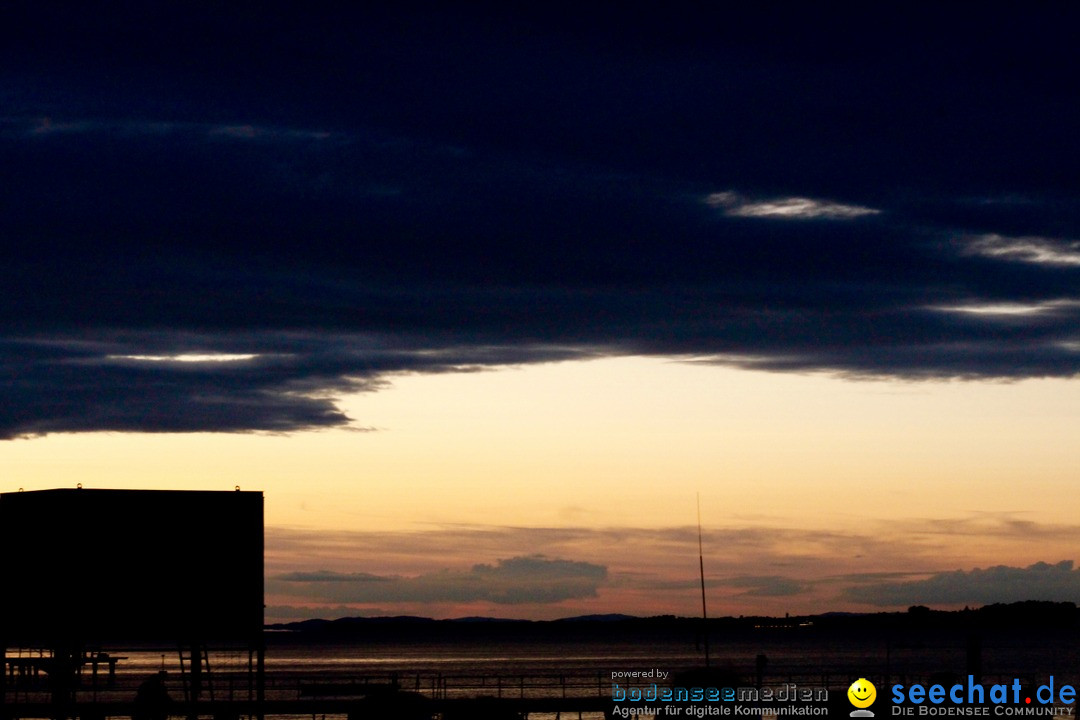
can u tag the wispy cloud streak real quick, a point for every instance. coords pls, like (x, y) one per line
(791, 208)
(1032, 250)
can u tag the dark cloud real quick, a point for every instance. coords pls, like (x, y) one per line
(328, 576)
(514, 581)
(163, 381)
(348, 194)
(1000, 584)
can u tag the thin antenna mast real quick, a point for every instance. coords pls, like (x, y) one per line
(701, 568)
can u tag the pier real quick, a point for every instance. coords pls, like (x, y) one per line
(401, 706)
(367, 697)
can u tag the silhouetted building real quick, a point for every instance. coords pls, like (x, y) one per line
(115, 565)
(90, 568)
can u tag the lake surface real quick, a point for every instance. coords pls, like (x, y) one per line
(560, 664)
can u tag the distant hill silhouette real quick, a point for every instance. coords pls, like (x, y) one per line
(1058, 616)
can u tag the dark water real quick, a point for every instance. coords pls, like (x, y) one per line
(551, 667)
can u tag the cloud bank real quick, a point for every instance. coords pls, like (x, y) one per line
(386, 199)
(513, 581)
(652, 571)
(981, 586)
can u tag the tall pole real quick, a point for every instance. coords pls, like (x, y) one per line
(701, 569)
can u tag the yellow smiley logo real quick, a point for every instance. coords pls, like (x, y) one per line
(862, 693)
